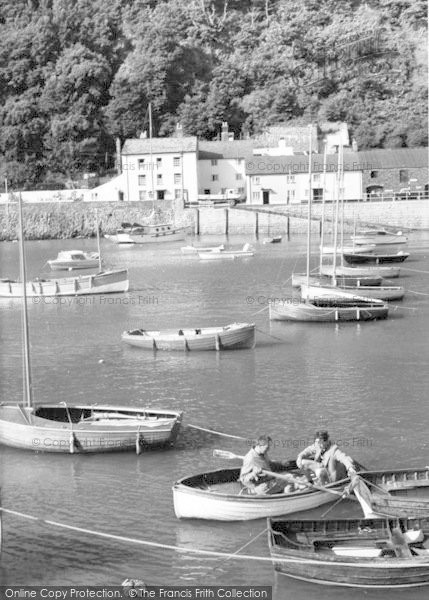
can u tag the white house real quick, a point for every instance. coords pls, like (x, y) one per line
(160, 169)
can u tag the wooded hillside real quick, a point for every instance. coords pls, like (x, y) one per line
(75, 74)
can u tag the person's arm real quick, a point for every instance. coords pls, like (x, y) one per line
(308, 452)
(346, 460)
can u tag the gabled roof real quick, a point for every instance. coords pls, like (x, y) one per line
(369, 160)
(160, 145)
(219, 150)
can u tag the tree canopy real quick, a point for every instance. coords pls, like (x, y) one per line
(74, 75)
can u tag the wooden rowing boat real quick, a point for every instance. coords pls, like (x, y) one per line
(326, 310)
(363, 553)
(218, 495)
(85, 428)
(231, 337)
(220, 253)
(376, 259)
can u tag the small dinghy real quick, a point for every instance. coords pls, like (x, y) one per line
(374, 259)
(364, 553)
(231, 337)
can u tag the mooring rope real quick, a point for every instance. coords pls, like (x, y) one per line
(236, 437)
(140, 542)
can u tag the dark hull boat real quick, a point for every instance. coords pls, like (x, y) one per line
(374, 259)
(363, 553)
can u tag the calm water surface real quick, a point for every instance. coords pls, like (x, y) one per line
(367, 383)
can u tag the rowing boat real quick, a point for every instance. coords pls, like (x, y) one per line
(362, 553)
(387, 271)
(218, 495)
(365, 280)
(328, 310)
(328, 290)
(231, 337)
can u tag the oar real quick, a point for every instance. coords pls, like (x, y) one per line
(289, 478)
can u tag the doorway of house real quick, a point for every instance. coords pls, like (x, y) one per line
(265, 197)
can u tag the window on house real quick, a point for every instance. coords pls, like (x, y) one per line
(241, 190)
(374, 174)
(255, 196)
(290, 179)
(141, 163)
(404, 176)
(207, 192)
(142, 195)
(257, 180)
(177, 194)
(238, 176)
(158, 163)
(142, 179)
(214, 162)
(159, 179)
(176, 161)
(238, 161)
(177, 178)
(215, 177)
(316, 177)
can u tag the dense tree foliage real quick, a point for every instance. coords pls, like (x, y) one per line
(74, 75)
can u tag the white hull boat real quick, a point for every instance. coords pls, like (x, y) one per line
(316, 291)
(69, 260)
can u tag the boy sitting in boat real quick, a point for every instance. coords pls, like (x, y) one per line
(324, 461)
(252, 475)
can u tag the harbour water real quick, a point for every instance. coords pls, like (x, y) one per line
(366, 383)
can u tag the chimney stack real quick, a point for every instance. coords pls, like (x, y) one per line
(118, 156)
(354, 145)
(225, 136)
(179, 130)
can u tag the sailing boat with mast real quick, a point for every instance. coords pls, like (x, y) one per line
(338, 289)
(103, 282)
(324, 309)
(70, 428)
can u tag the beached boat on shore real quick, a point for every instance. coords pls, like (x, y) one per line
(69, 260)
(106, 282)
(144, 234)
(362, 553)
(231, 337)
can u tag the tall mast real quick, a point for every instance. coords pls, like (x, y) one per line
(150, 150)
(27, 370)
(98, 241)
(337, 204)
(341, 192)
(309, 210)
(322, 237)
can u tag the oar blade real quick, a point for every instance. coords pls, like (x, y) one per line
(225, 454)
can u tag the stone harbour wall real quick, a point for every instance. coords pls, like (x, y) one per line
(58, 220)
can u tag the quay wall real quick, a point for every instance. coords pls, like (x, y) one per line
(56, 220)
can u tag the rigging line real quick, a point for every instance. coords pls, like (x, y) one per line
(242, 547)
(236, 437)
(259, 311)
(418, 293)
(140, 542)
(414, 270)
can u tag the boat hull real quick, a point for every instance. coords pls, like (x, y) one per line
(197, 503)
(369, 280)
(352, 553)
(107, 282)
(294, 310)
(150, 235)
(376, 259)
(122, 428)
(233, 337)
(388, 272)
(376, 292)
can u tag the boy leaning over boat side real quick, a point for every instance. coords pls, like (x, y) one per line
(254, 463)
(325, 460)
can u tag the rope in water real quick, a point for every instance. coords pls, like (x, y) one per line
(140, 542)
(236, 437)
